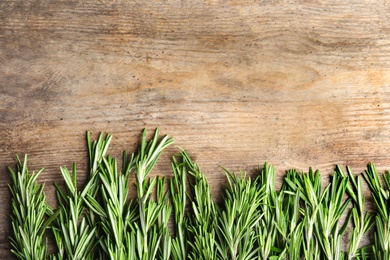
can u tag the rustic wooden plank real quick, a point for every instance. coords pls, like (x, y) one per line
(237, 83)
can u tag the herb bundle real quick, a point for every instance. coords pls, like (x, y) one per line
(177, 218)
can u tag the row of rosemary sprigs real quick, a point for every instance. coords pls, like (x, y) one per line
(178, 219)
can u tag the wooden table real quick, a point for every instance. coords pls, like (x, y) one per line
(236, 83)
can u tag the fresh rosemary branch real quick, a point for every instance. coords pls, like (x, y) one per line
(270, 206)
(114, 211)
(239, 218)
(148, 235)
(308, 186)
(321, 212)
(130, 229)
(380, 193)
(201, 226)
(30, 213)
(289, 224)
(162, 199)
(332, 208)
(179, 199)
(362, 220)
(96, 153)
(148, 154)
(74, 236)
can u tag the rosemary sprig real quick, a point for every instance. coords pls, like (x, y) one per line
(96, 153)
(114, 211)
(147, 233)
(130, 229)
(270, 206)
(361, 219)
(380, 194)
(240, 216)
(289, 224)
(179, 199)
(332, 208)
(76, 229)
(148, 155)
(73, 235)
(162, 199)
(201, 226)
(29, 218)
(308, 186)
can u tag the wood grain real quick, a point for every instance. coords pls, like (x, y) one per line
(236, 83)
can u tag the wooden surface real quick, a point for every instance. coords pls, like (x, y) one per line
(236, 83)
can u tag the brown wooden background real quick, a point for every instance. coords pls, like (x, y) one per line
(236, 83)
